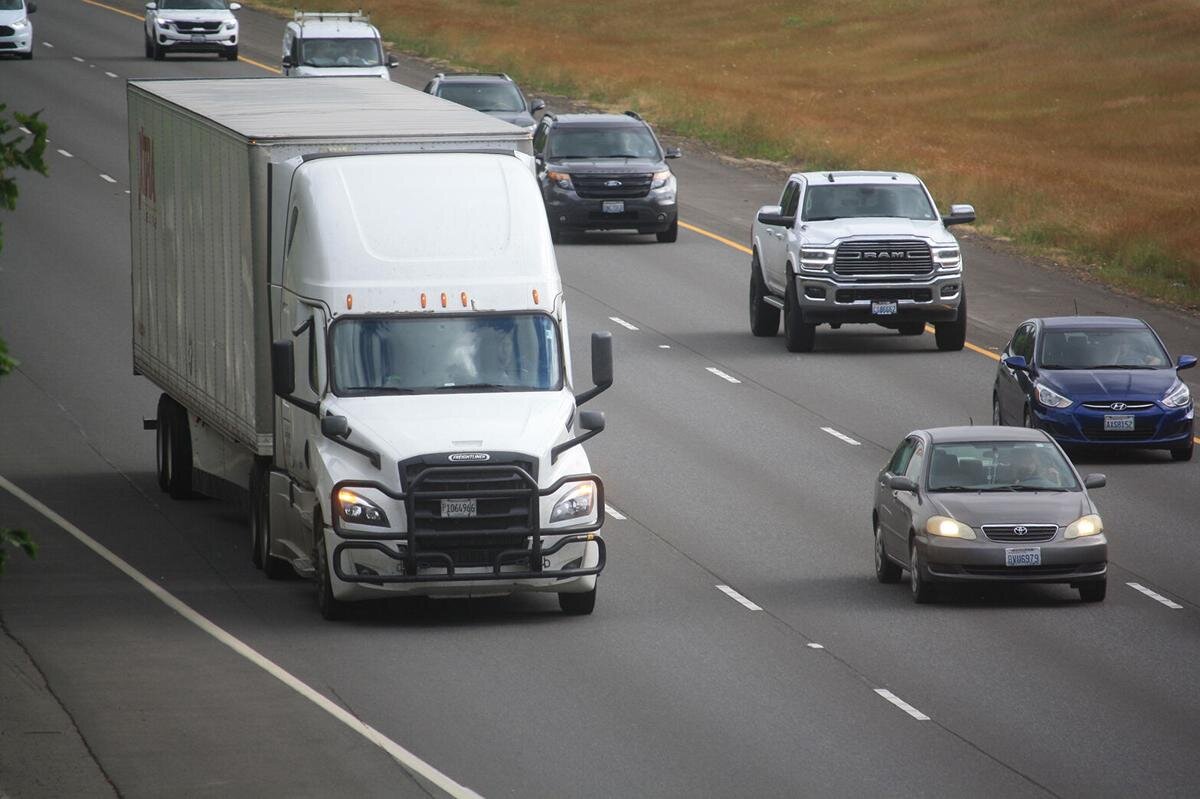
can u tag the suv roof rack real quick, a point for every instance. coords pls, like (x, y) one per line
(330, 16)
(473, 75)
(635, 115)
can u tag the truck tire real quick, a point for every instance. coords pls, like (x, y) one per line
(258, 476)
(951, 336)
(669, 235)
(764, 318)
(799, 335)
(173, 445)
(260, 500)
(331, 608)
(577, 604)
(162, 442)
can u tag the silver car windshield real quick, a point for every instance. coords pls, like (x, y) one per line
(192, 5)
(1102, 348)
(490, 96)
(340, 53)
(444, 353)
(857, 200)
(1000, 466)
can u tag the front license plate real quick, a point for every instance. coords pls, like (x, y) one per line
(613, 207)
(197, 38)
(1118, 422)
(883, 308)
(1022, 556)
(458, 508)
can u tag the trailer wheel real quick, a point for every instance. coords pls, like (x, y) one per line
(332, 609)
(577, 604)
(173, 445)
(162, 442)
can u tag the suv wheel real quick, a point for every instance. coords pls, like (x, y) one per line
(997, 419)
(799, 335)
(670, 234)
(149, 45)
(764, 318)
(231, 54)
(952, 335)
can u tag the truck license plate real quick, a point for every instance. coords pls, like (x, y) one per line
(883, 308)
(197, 38)
(1118, 422)
(1022, 556)
(458, 508)
(613, 207)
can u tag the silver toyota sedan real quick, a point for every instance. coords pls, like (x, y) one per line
(995, 504)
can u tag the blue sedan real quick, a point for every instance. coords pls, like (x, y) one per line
(1095, 380)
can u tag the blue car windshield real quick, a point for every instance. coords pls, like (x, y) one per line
(857, 200)
(1102, 348)
(445, 353)
(1000, 466)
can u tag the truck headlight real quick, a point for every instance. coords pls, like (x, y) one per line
(1084, 526)
(1049, 397)
(578, 502)
(1178, 397)
(562, 179)
(359, 509)
(815, 260)
(948, 258)
(946, 527)
(661, 179)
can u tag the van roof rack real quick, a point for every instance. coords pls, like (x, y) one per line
(330, 16)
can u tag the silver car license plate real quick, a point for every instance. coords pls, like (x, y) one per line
(883, 308)
(1117, 422)
(197, 38)
(459, 508)
(1022, 556)
(613, 207)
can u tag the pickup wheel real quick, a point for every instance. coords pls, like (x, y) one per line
(764, 318)
(577, 604)
(911, 328)
(798, 334)
(951, 336)
(332, 609)
(670, 234)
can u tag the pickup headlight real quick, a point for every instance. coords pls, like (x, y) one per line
(946, 527)
(578, 502)
(947, 258)
(1049, 397)
(1178, 397)
(563, 179)
(359, 509)
(661, 179)
(1084, 526)
(815, 260)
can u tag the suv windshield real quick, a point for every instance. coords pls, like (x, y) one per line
(490, 96)
(614, 142)
(848, 201)
(340, 53)
(1000, 466)
(192, 5)
(492, 352)
(1105, 348)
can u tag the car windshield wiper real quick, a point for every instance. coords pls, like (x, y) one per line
(570, 157)
(1026, 488)
(475, 387)
(953, 488)
(380, 389)
(824, 218)
(1124, 366)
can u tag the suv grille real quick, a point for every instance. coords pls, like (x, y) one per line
(883, 257)
(600, 186)
(1009, 532)
(188, 26)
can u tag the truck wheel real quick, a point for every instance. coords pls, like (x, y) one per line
(1184, 453)
(577, 604)
(275, 568)
(332, 609)
(666, 237)
(922, 589)
(173, 445)
(799, 335)
(885, 570)
(952, 335)
(764, 318)
(258, 498)
(911, 328)
(1093, 592)
(162, 442)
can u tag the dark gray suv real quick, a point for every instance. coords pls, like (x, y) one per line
(605, 172)
(495, 94)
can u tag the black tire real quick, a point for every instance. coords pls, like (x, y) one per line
(259, 497)
(577, 604)
(231, 55)
(885, 570)
(27, 56)
(764, 318)
(178, 458)
(911, 328)
(331, 608)
(149, 45)
(923, 592)
(1094, 591)
(275, 568)
(951, 336)
(1184, 453)
(667, 237)
(997, 417)
(799, 335)
(157, 51)
(162, 442)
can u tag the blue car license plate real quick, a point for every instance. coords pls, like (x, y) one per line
(1113, 423)
(1022, 556)
(883, 308)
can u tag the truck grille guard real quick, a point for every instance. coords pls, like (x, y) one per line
(414, 558)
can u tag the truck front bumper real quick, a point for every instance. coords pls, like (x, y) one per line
(824, 298)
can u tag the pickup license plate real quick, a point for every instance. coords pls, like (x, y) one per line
(883, 308)
(1022, 556)
(197, 38)
(613, 207)
(1117, 422)
(458, 508)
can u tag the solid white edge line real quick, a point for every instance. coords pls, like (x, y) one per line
(107, 179)
(623, 323)
(613, 512)
(1157, 597)
(722, 375)
(65, 154)
(900, 703)
(842, 436)
(738, 598)
(401, 755)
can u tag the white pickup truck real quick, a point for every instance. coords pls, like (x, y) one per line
(857, 247)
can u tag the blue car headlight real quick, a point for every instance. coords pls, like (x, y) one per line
(1178, 397)
(1049, 397)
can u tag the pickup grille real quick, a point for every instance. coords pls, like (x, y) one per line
(187, 26)
(1013, 532)
(862, 295)
(883, 257)
(599, 186)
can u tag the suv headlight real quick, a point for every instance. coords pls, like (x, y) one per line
(1049, 397)
(358, 509)
(577, 502)
(947, 258)
(815, 259)
(563, 179)
(231, 25)
(661, 179)
(1178, 397)
(1084, 526)
(946, 527)
(165, 23)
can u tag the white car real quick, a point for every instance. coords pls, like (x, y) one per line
(16, 31)
(191, 26)
(334, 44)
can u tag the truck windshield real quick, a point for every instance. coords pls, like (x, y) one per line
(339, 52)
(492, 96)
(476, 352)
(192, 5)
(823, 203)
(615, 142)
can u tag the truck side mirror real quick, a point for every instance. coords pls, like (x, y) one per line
(283, 368)
(1095, 481)
(335, 426)
(392, 61)
(1017, 363)
(776, 220)
(673, 152)
(602, 366)
(591, 420)
(287, 62)
(1185, 362)
(959, 215)
(537, 105)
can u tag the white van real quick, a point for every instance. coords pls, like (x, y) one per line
(16, 31)
(334, 44)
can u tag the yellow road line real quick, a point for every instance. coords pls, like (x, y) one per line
(260, 65)
(715, 237)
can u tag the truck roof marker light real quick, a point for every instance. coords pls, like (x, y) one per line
(536, 301)
(443, 299)
(424, 300)
(349, 302)
(463, 297)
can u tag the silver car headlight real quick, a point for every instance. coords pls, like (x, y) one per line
(231, 25)
(579, 501)
(1179, 396)
(946, 527)
(1084, 526)
(1049, 397)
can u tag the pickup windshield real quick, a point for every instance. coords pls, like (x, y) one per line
(1104, 348)
(340, 52)
(858, 200)
(443, 353)
(490, 96)
(1000, 466)
(614, 142)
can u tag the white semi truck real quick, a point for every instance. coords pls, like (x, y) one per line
(347, 292)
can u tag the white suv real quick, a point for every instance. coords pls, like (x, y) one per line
(16, 31)
(191, 26)
(334, 44)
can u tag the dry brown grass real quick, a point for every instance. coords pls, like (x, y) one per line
(1071, 126)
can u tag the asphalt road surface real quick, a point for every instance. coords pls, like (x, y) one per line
(740, 645)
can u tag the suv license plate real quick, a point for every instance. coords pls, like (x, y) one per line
(1118, 422)
(613, 207)
(197, 38)
(1022, 556)
(458, 508)
(883, 308)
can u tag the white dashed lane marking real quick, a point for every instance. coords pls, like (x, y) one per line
(841, 436)
(77, 58)
(722, 375)
(111, 74)
(738, 598)
(815, 645)
(623, 323)
(664, 346)
(47, 44)
(1157, 597)
(65, 154)
(900, 703)
(26, 131)
(107, 179)
(613, 512)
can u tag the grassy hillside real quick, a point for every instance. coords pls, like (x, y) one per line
(1073, 127)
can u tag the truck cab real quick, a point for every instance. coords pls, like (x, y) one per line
(334, 44)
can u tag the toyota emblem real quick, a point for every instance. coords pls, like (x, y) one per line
(1019, 530)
